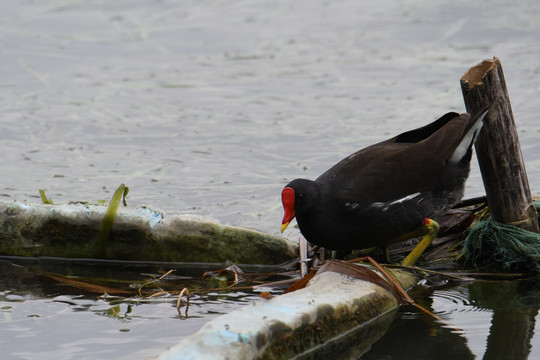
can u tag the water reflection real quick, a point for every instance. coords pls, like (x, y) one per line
(515, 306)
(418, 338)
(42, 297)
(44, 303)
(512, 307)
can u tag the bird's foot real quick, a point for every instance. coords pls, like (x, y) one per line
(432, 228)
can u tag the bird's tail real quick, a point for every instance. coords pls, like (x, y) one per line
(468, 140)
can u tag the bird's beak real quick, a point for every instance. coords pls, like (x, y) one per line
(284, 226)
(287, 198)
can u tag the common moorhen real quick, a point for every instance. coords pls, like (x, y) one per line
(381, 193)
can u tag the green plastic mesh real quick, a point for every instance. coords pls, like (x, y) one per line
(494, 245)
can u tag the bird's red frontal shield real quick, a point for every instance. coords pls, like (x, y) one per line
(287, 199)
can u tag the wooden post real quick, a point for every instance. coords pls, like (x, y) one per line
(497, 147)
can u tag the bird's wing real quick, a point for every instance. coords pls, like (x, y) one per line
(397, 216)
(400, 166)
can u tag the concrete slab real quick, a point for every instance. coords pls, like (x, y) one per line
(138, 234)
(316, 322)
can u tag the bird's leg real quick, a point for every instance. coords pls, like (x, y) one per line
(386, 254)
(432, 228)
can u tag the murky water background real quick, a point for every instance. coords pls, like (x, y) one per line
(210, 107)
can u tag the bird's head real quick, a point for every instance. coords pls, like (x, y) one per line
(297, 197)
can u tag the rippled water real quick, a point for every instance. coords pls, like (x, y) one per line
(486, 320)
(211, 107)
(44, 313)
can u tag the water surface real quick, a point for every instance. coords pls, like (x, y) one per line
(211, 107)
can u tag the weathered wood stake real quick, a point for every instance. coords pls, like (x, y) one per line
(497, 147)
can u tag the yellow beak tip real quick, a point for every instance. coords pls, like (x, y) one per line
(283, 227)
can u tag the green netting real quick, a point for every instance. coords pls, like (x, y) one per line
(493, 244)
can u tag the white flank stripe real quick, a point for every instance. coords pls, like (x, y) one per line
(408, 197)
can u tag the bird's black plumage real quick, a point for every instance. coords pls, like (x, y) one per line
(379, 193)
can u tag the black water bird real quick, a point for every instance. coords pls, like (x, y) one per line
(388, 190)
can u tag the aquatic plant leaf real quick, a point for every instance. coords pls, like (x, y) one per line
(114, 311)
(148, 282)
(179, 304)
(124, 195)
(44, 198)
(302, 282)
(108, 221)
(355, 271)
(87, 287)
(350, 269)
(232, 271)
